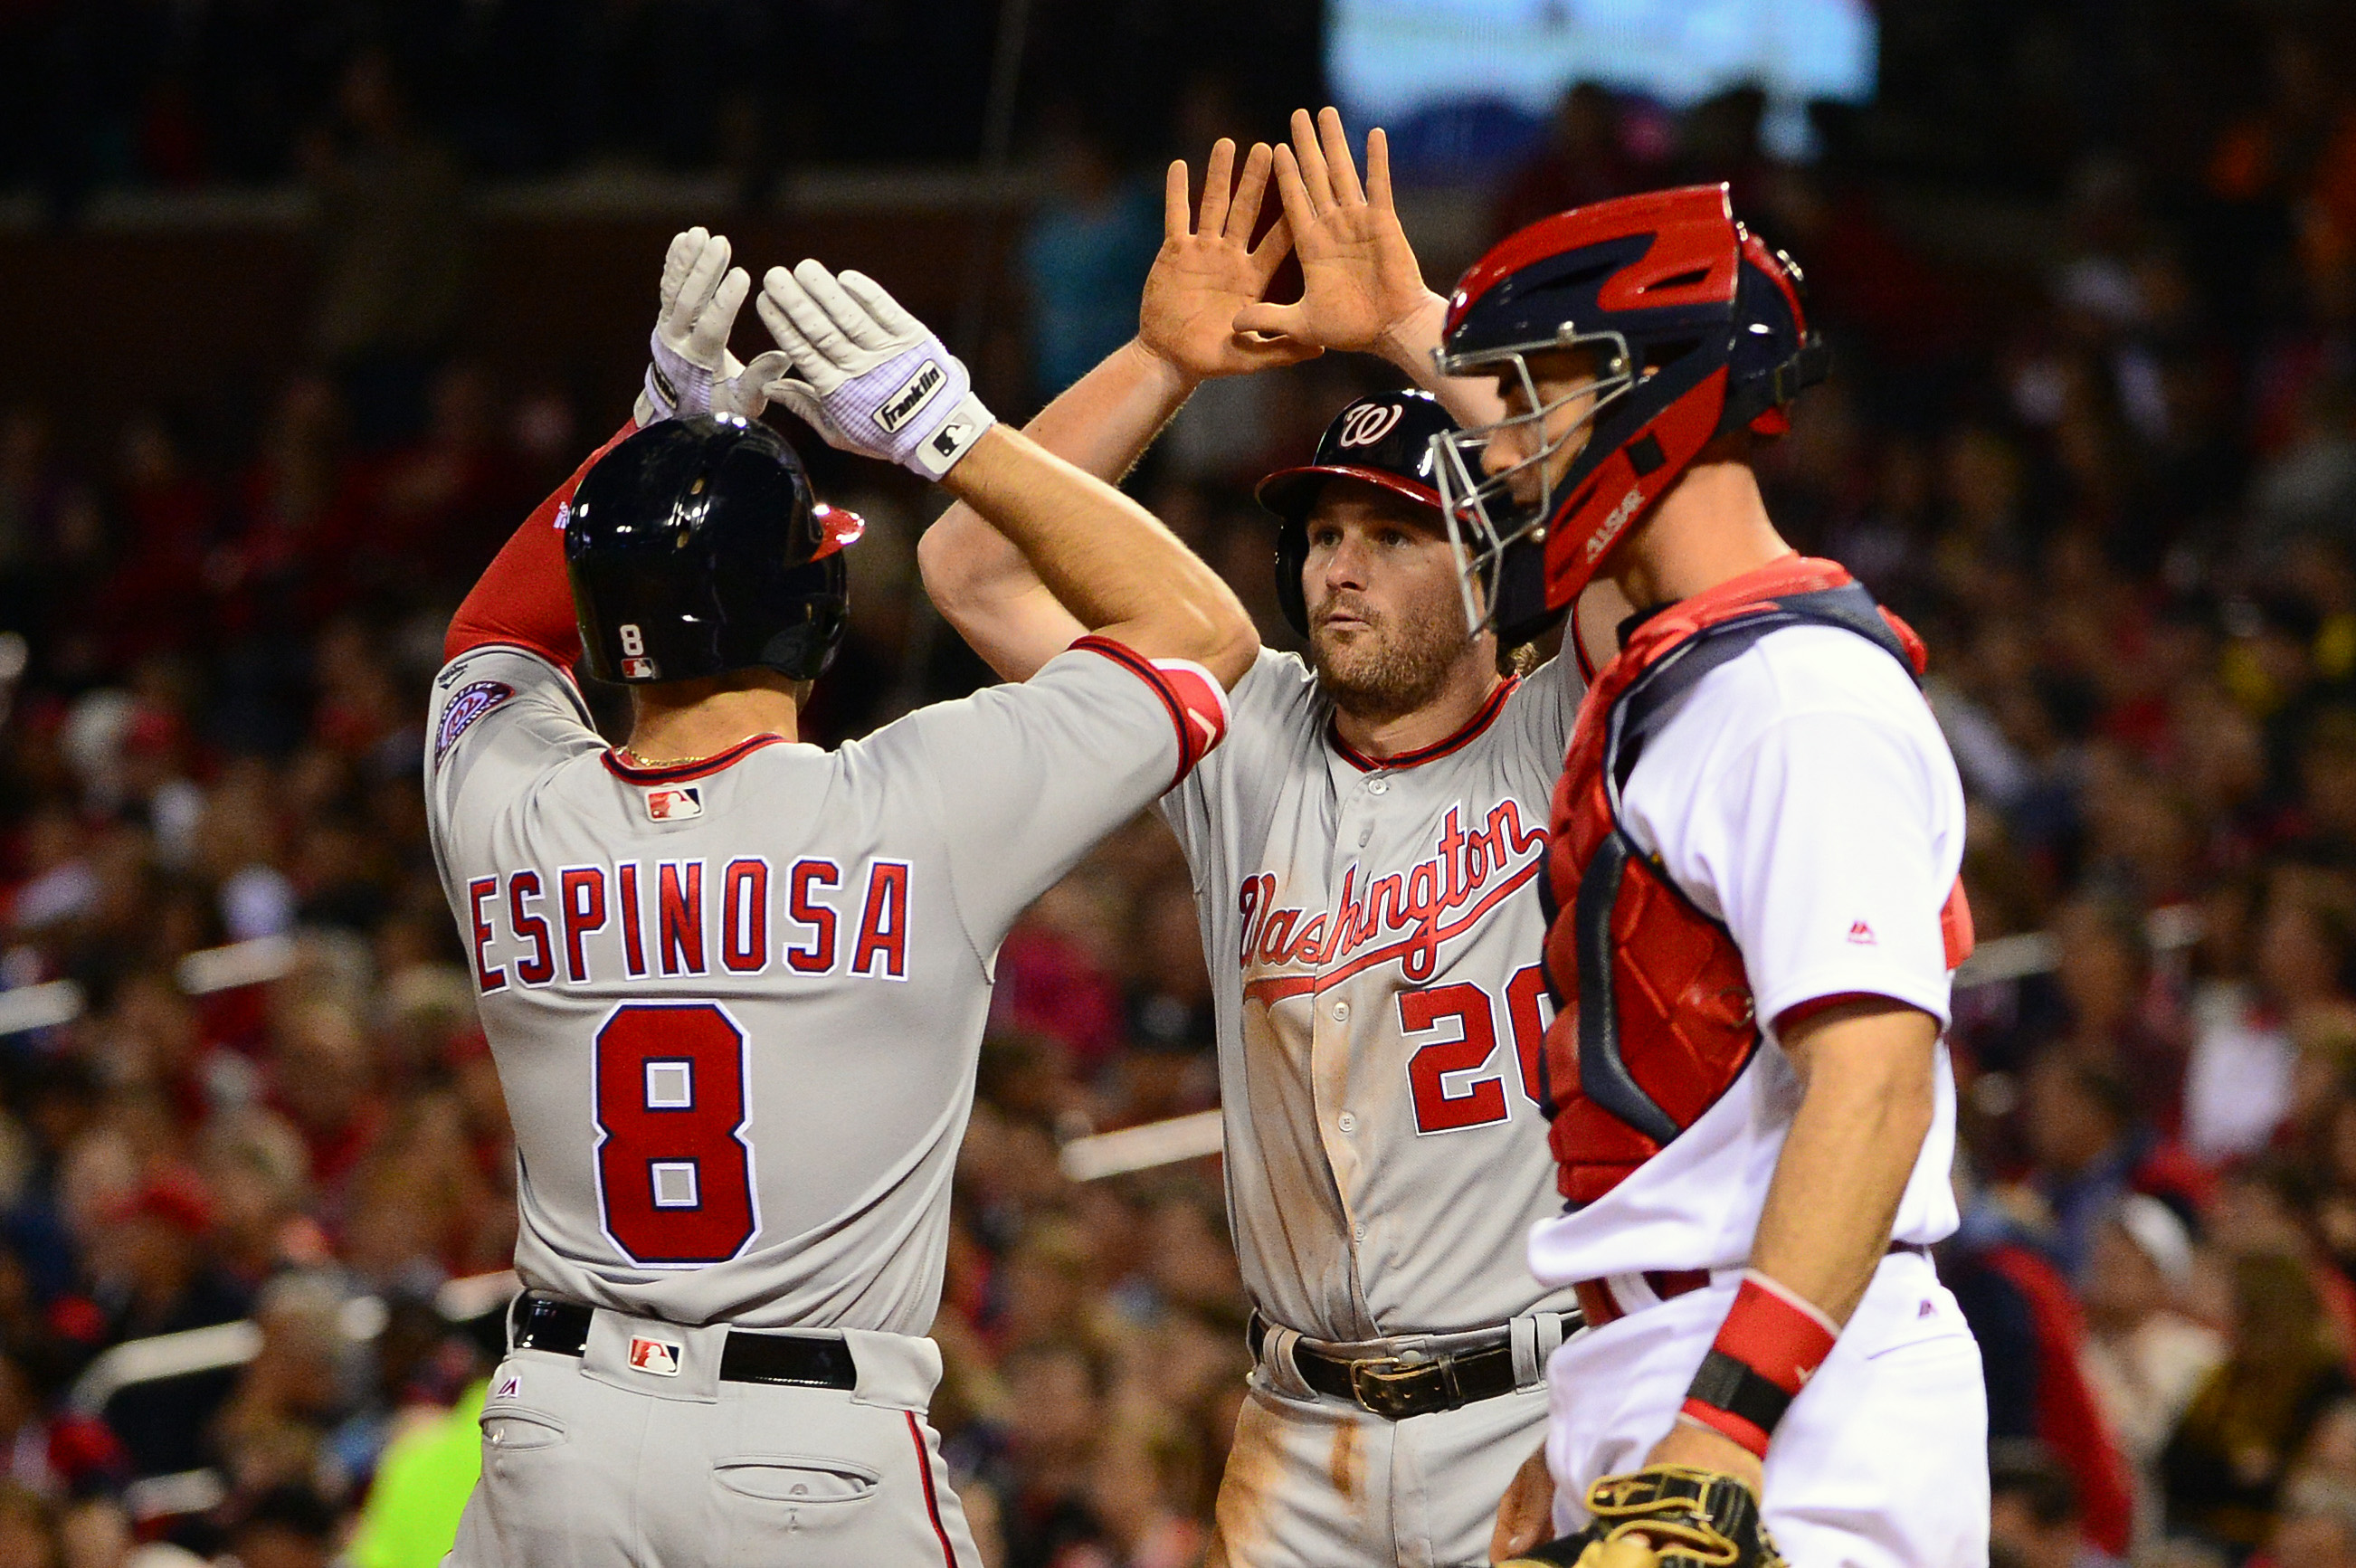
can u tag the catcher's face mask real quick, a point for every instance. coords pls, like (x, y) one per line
(1498, 482)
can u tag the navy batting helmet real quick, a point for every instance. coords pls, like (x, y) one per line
(1384, 440)
(696, 547)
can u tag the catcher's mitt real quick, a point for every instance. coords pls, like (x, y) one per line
(1668, 1516)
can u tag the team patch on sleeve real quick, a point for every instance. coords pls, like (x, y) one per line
(466, 706)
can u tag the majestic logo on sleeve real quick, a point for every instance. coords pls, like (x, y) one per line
(469, 703)
(1399, 915)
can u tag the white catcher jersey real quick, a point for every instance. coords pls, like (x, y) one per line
(736, 1006)
(1374, 933)
(1803, 794)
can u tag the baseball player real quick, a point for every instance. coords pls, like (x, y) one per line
(1753, 866)
(734, 984)
(1366, 852)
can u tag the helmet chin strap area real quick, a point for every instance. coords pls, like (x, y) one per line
(1467, 493)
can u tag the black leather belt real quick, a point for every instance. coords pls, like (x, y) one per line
(800, 1360)
(1395, 1388)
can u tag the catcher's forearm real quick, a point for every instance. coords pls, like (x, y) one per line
(1103, 556)
(1868, 1070)
(524, 597)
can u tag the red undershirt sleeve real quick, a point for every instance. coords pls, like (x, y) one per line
(524, 597)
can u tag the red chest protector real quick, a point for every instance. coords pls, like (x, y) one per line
(1655, 1020)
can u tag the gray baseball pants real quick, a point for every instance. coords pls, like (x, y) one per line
(592, 1461)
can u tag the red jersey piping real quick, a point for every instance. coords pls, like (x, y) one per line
(1490, 706)
(932, 1500)
(679, 772)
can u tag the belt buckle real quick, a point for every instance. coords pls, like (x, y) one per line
(1395, 1390)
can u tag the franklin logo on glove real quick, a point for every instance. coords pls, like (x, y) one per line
(909, 400)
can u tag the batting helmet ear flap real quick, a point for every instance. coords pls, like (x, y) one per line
(803, 647)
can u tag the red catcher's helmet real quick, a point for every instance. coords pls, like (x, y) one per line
(1697, 330)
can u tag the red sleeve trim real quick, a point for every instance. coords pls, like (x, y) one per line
(1196, 703)
(1955, 926)
(524, 597)
(1799, 1013)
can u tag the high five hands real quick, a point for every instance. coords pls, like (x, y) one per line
(1363, 289)
(1206, 312)
(1208, 272)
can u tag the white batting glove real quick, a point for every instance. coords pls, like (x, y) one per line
(871, 379)
(690, 371)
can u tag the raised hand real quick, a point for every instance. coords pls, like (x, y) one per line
(1363, 285)
(700, 297)
(869, 377)
(690, 371)
(1208, 269)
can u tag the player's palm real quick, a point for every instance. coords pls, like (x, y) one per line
(1208, 270)
(1350, 271)
(1359, 274)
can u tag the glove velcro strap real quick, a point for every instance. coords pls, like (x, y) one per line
(675, 385)
(939, 452)
(1770, 1345)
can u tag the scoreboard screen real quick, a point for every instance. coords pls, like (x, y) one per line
(1395, 62)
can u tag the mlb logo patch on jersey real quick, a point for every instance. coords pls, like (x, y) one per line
(656, 1358)
(470, 703)
(674, 805)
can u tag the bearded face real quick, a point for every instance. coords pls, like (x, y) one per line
(1386, 616)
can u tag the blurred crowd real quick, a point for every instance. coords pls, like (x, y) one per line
(2112, 483)
(106, 94)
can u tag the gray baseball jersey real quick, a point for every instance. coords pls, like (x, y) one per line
(736, 1006)
(1373, 932)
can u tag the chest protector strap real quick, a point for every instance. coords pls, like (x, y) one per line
(1686, 974)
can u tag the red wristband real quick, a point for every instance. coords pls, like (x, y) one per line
(1769, 1346)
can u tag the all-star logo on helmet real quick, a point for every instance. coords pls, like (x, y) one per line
(1696, 328)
